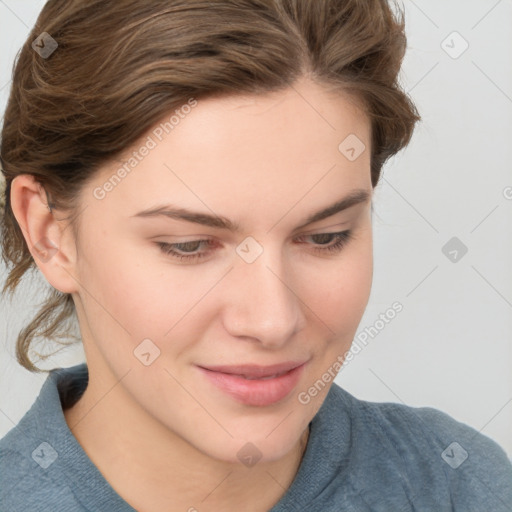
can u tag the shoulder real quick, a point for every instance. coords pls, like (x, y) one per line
(25, 482)
(31, 455)
(421, 428)
(42, 465)
(427, 445)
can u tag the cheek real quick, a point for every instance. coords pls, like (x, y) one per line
(338, 292)
(133, 294)
(128, 295)
(117, 287)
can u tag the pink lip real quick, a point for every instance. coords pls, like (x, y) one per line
(231, 380)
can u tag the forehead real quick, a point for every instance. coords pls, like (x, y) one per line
(260, 125)
(307, 110)
(247, 150)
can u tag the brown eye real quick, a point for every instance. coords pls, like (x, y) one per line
(184, 250)
(341, 239)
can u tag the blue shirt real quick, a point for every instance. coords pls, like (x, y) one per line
(361, 457)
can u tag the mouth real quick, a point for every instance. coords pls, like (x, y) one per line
(255, 385)
(253, 371)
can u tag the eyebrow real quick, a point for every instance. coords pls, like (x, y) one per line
(217, 221)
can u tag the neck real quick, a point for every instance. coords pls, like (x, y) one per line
(161, 471)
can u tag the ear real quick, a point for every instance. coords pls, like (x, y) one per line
(49, 240)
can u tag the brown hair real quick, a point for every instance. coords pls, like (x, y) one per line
(120, 65)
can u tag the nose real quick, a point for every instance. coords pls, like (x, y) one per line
(260, 303)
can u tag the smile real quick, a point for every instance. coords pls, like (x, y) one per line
(255, 386)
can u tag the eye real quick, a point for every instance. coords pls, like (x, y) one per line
(185, 248)
(340, 240)
(188, 250)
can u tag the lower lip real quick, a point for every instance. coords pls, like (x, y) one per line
(255, 392)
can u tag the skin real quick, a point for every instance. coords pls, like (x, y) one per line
(162, 435)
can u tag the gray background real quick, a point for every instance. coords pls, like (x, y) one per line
(451, 346)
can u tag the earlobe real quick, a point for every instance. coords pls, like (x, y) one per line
(47, 238)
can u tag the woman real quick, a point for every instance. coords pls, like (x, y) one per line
(194, 180)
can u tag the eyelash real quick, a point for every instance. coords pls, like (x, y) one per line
(342, 238)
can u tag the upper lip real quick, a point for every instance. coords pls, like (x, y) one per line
(255, 371)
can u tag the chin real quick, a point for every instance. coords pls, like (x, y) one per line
(255, 448)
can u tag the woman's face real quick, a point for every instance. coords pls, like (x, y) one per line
(279, 290)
